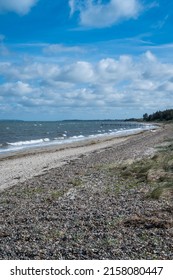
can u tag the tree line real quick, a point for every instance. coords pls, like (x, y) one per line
(165, 115)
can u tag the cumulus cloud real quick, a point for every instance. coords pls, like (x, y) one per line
(112, 71)
(150, 56)
(18, 88)
(21, 7)
(126, 82)
(98, 15)
(29, 71)
(154, 69)
(80, 72)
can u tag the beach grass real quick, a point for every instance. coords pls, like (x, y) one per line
(157, 171)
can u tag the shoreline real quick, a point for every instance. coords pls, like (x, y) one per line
(85, 140)
(84, 208)
(16, 167)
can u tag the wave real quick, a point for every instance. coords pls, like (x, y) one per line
(63, 139)
(29, 142)
(77, 137)
(3, 145)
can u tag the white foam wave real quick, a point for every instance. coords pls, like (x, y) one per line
(16, 146)
(77, 137)
(30, 142)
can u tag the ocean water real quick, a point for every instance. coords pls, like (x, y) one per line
(18, 135)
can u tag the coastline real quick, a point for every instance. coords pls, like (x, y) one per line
(17, 138)
(16, 167)
(77, 205)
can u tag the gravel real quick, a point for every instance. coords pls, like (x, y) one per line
(84, 209)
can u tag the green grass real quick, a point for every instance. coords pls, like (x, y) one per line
(29, 191)
(76, 182)
(155, 193)
(112, 190)
(56, 194)
(160, 166)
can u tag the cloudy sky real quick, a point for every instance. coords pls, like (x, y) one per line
(85, 59)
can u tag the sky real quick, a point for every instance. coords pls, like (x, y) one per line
(85, 59)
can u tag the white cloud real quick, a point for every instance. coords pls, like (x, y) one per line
(73, 6)
(161, 23)
(22, 88)
(113, 71)
(149, 55)
(79, 72)
(125, 82)
(100, 15)
(29, 71)
(153, 69)
(3, 49)
(21, 7)
(166, 86)
(59, 48)
(16, 89)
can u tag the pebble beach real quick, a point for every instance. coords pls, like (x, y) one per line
(71, 202)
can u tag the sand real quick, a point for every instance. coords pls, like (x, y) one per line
(20, 166)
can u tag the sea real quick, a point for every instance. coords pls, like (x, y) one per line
(20, 135)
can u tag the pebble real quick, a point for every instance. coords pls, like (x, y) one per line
(47, 217)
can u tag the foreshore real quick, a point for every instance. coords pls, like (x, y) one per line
(71, 202)
(21, 165)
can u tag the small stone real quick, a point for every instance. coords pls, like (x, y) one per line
(170, 231)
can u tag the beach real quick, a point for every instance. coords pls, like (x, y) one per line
(71, 201)
(21, 165)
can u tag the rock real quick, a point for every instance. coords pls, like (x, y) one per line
(4, 233)
(17, 177)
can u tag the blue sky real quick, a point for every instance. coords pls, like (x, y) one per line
(92, 59)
